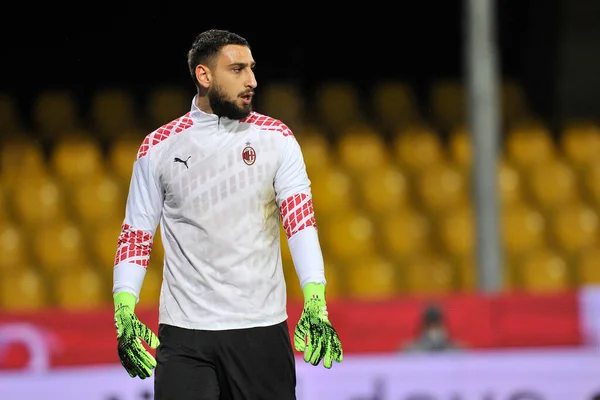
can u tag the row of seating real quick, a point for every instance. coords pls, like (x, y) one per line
(333, 105)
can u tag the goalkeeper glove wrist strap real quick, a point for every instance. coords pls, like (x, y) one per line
(122, 299)
(314, 290)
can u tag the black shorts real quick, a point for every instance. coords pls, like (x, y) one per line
(239, 364)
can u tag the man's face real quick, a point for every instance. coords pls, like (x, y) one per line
(231, 91)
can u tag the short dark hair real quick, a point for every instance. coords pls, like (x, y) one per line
(208, 44)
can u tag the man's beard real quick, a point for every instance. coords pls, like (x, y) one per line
(225, 108)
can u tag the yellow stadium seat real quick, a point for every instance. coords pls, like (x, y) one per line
(456, 229)
(523, 229)
(574, 227)
(166, 103)
(460, 147)
(121, 156)
(21, 158)
(385, 190)
(466, 271)
(418, 147)
(103, 242)
(448, 104)
(371, 277)
(77, 158)
(587, 266)
(552, 184)
(59, 247)
(514, 103)
(337, 105)
(336, 282)
(405, 232)
(510, 183)
(361, 149)
(157, 255)
(348, 235)
(23, 290)
(113, 110)
(429, 274)
(150, 293)
(441, 186)
(529, 144)
(81, 289)
(96, 199)
(333, 192)
(580, 143)
(394, 105)
(39, 201)
(55, 112)
(590, 183)
(283, 100)
(11, 119)
(4, 205)
(317, 153)
(14, 248)
(543, 270)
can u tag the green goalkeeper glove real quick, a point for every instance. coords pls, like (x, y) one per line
(314, 335)
(134, 357)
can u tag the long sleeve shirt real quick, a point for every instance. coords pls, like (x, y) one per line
(219, 188)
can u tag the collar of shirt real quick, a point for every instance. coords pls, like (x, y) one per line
(206, 120)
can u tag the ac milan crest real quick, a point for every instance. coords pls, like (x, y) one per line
(248, 154)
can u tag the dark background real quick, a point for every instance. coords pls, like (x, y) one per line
(140, 44)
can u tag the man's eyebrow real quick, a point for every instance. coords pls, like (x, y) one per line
(242, 64)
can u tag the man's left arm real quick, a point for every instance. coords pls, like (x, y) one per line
(314, 335)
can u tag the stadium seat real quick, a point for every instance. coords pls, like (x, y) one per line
(587, 266)
(543, 270)
(385, 190)
(283, 100)
(529, 144)
(23, 290)
(580, 143)
(447, 99)
(80, 289)
(405, 232)
(333, 192)
(39, 201)
(574, 227)
(59, 247)
(55, 112)
(514, 103)
(21, 158)
(417, 147)
(14, 248)
(552, 184)
(317, 153)
(103, 242)
(441, 186)
(11, 120)
(456, 230)
(348, 236)
(166, 103)
(77, 158)
(157, 255)
(510, 183)
(337, 105)
(523, 229)
(460, 147)
(121, 156)
(361, 149)
(590, 183)
(113, 110)
(97, 198)
(429, 273)
(466, 272)
(371, 277)
(150, 293)
(393, 105)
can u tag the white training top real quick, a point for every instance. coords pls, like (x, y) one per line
(219, 188)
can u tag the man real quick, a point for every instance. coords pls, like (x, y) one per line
(433, 335)
(219, 179)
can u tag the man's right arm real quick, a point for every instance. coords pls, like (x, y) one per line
(142, 215)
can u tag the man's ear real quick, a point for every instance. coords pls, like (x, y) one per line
(203, 75)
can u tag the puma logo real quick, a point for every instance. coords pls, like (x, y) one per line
(177, 159)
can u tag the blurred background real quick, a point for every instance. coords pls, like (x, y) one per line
(453, 148)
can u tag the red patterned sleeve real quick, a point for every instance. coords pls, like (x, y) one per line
(297, 213)
(134, 246)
